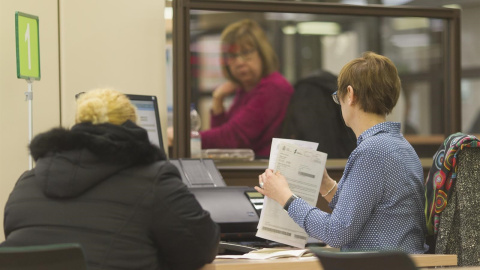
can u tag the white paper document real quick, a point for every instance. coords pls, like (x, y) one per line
(303, 168)
(270, 253)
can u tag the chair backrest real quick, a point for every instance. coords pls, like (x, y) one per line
(46, 257)
(391, 260)
(312, 115)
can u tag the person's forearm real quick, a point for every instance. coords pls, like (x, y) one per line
(217, 105)
(219, 95)
(328, 190)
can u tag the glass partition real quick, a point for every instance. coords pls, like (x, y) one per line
(313, 37)
(470, 106)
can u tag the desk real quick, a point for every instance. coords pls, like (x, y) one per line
(457, 268)
(311, 263)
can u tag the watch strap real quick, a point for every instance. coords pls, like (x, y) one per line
(289, 201)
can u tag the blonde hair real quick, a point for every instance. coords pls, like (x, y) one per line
(375, 82)
(247, 33)
(104, 106)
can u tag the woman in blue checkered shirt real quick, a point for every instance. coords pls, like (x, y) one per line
(378, 203)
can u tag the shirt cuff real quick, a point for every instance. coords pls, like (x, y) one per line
(298, 211)
(334, 200)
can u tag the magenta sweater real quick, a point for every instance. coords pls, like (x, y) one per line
(254, 118)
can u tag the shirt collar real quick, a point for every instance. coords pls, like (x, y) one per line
(387, 127)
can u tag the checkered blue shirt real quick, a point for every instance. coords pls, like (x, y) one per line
(379, 203)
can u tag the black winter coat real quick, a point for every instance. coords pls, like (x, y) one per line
(312, 115)
(107, 188)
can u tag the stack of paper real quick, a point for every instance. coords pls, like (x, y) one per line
(269, 253)
(303, 168)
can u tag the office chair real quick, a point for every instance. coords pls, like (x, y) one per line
(45, 257)
(391, 260)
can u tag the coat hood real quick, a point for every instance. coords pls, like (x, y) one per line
(69, 162)
(322, 80)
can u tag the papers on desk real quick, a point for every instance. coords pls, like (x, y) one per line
(270, 253)
(303, 168)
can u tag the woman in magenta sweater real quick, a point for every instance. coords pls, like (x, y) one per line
(261, 93)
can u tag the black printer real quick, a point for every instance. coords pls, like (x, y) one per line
(235, 209)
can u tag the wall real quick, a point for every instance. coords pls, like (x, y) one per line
(84, 44)
(13, 107)
(111, 43)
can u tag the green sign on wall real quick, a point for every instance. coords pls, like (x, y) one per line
(28, 47)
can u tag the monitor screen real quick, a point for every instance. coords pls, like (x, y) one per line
(148, 117)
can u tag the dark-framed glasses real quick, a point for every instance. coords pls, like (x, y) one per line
(78, 95)
(244, 55)
(335, 98)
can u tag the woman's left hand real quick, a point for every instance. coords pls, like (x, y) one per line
(274, 186)
(170, 136)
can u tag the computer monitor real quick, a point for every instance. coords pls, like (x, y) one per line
(148, 117)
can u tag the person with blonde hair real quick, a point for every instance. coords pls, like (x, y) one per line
(262, 94)
(378, 203)
(104, 185)
(104, 106)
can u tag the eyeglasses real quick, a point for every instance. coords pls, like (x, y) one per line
(245, 55)
(78, 95)
(335, 98)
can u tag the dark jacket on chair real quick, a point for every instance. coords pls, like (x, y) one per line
(312, 115)
(107, 188)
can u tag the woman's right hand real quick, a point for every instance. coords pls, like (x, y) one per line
(274, 186)
(224, 90)
(219, 94)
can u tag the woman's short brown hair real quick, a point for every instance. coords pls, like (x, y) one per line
(375, 82)
(248, 34)
(105, 106)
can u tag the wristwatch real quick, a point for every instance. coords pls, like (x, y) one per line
(289, 201)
